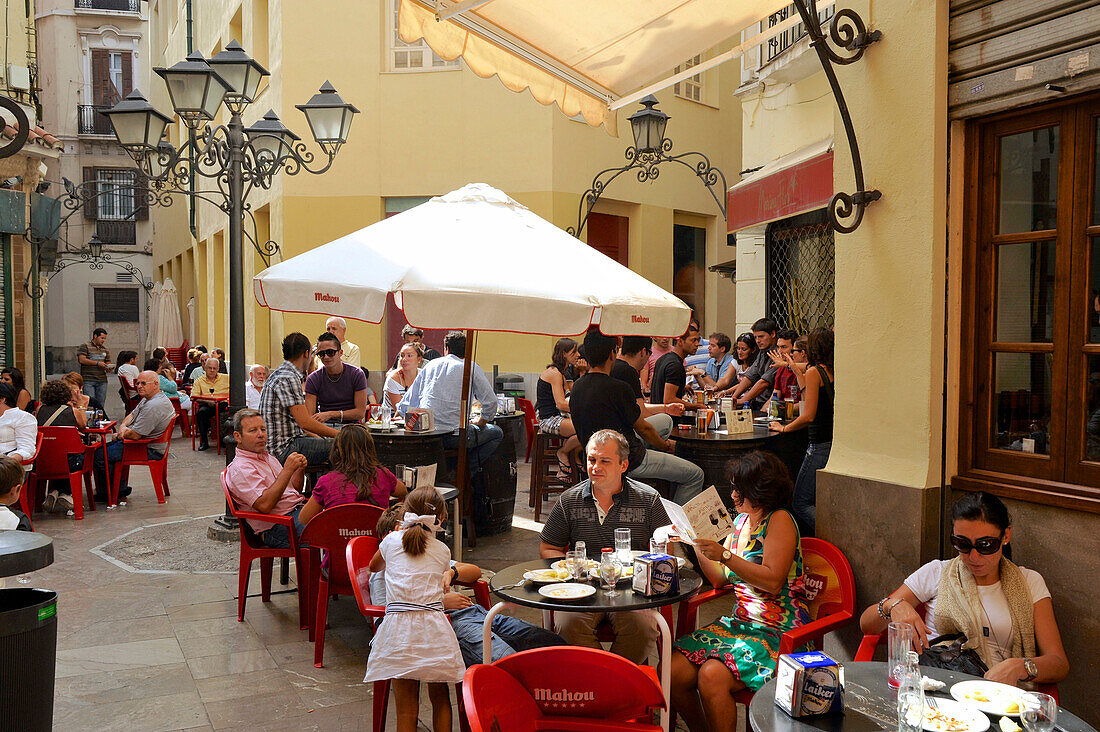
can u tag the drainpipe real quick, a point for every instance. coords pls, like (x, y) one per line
(191, 154)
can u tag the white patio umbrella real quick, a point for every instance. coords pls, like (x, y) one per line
(166, 328)
(473, 259)
(154, 317)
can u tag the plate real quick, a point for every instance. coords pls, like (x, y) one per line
(989, 696)
(560, 564)
(567, 591)
(543, 575)
(952, 716)
(628, 572)
(377, 426)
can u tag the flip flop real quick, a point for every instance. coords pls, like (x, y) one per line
(565, 471)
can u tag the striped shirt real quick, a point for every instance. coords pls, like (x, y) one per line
(283, 389)
(575, 517)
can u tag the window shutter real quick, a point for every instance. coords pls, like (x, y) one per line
(127, 75)
(141, 206)
(90, 203)
(101, 78)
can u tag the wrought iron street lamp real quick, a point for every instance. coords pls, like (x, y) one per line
(651, 148)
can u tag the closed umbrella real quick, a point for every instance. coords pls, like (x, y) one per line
(170, 326)
(154, 317)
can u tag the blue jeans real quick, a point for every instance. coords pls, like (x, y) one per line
(481, 443)
(97, 390)
(277, 538)
(804, 501)
(315, 449)
(114, 454)
(687, 476)
(509, 634)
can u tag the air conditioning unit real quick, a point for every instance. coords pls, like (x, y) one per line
(19, 77)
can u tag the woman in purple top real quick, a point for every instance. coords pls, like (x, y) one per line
(356, 477)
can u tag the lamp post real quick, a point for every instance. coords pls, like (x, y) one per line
(651, 148)
(237, 159)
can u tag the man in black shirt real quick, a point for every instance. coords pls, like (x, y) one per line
(669, 374)
(633, 356)
(600, 401)
(748, 389)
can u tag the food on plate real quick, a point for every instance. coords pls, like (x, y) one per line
(548, 575)
(1013, 708)
(1007, 725)
(560, 565)
(977, 695)
(941, 722)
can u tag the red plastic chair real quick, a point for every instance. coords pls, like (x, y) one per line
(358, 554)
(183, 415)
(29, 461)
(530, 422)
(51, 462)
(330, 530)
(870, 642)
(135, 452)
(177, 356)
(831, 601)
(253, 547)
(528, 691)
(129, 393)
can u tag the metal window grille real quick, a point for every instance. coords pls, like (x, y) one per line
(416, 56)
(780, 43)
(691, 87)
(116, 202)
(116, 304)
(800, 272)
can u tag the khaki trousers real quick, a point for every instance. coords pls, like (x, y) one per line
(636, 631)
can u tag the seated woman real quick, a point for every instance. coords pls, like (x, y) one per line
(193, 364)
(14, 377)
(127, 366)
(1004, 610)
(80, 400)
(57, 410)
(161, 355)
(552, 404)
(167, 383)
(398, 380)
(762, 559)
(356, 476)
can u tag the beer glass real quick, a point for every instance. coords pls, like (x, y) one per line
(899, 642)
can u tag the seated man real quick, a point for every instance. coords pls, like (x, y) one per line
(590, 512)
(775, 376)
(719, 347)
(256, 377)
(150, 418)
(600, 401)
(283, 407)
(669, 374)
(211, 383)
(336, 392)
(18, 429)
(748, 390)
(259, 483)
(11, 482)
(509, 634)
(627, 367)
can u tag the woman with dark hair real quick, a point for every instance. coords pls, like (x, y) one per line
(223, 365)
(14, 377)
(1004, 610)
(161, 355)
(356, 476)
(57, 410)
(127, 366)
(744, 353)
(817, 418)
(552, 402)
(762, 558)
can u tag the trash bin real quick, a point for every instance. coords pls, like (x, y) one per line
(28, 647)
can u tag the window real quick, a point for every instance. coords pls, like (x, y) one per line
(116, 304)
(691, 87)
(610, 235)
(1030, 422)
(412, 56)
(117, 204)
(689, 261)
(800, 272)
(112, 76)
(115, 190)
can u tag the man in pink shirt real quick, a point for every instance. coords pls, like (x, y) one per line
(260, 483)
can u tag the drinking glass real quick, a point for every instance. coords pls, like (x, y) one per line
(622, 545)
(899, 642)
(610, 570)
(910, 696)
(576, 563)
(1038, 712)
(657, 547)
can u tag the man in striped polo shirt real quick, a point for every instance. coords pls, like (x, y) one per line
(590, 512)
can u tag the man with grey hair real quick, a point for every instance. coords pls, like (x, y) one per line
(339, 328)
(590, 512)
(257, 375)
(415, 335)
(150, 418)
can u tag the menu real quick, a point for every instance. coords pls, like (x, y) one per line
(703, 517)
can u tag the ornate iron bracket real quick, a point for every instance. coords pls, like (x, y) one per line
(849, 32)
(646, 162)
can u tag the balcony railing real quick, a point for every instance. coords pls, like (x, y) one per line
(92, 121)
(132, 6)
(116, 232)
(792, 35)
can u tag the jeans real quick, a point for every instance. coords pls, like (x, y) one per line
(509, 634)
(114, 454)
(481, 443)
(97, 390)
(315, 449)
(804, 502)
(687, 476)
(277, 538)
(663, 423)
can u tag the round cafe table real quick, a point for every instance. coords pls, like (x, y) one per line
(22, 552)
(712, 449)
(509, 586)
(870, 705)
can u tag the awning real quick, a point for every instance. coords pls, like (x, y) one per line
(791, 184)
(587, 56)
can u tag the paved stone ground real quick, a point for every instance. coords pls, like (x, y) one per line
(154, 650)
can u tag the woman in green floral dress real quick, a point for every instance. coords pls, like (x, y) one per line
(762, 559)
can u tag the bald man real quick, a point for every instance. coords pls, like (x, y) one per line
(150, 418)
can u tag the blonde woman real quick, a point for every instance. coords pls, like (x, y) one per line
(398, 380)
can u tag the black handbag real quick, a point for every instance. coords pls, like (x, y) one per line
(947, 652)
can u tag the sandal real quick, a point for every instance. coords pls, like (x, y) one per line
(565, 471)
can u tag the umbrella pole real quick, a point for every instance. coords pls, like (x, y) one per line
(465, 488)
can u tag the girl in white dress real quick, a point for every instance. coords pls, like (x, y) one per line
(415, 642)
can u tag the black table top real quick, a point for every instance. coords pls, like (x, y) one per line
(870, 705)
(692, 434)
(24, 551)
(528, 593)
(399, 433)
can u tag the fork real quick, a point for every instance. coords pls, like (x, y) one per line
(931, 700)
(511, 586)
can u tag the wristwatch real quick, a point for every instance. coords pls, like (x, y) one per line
(1031, 669)
(726, 554)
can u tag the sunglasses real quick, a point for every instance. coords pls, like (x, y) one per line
(327, 352)
(986, 545)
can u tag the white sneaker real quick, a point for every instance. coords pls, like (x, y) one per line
(64, 504)
(50, 502)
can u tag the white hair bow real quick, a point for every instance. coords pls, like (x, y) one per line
(428, 521)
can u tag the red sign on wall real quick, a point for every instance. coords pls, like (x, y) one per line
(803, 187)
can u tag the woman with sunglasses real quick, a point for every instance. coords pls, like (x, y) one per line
(1004, 610)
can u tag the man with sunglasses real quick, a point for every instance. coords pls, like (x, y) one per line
(336, 392)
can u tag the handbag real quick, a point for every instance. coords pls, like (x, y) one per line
(947, 652)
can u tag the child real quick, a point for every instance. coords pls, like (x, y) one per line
(11, 480)
(356, 477)
(415, 642)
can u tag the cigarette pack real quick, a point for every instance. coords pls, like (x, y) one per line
(419, 420)
(655, 574)
(809, 684)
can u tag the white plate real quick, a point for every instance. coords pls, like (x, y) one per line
(377, 426)
(965, 718)
(542, 575)
(628, 572)
(567, 591)
(560, 564)
(992, 698)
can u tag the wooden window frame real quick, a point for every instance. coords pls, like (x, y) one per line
(1065, 478)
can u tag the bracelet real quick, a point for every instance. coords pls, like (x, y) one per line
(882, 613)
(341, 415)
(890, 612)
